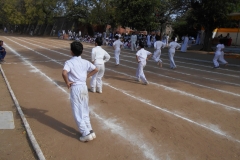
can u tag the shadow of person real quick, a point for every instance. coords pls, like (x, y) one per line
(41, 116)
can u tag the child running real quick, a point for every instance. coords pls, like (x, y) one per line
(172, 47)
(99, 58)
(75, 73)
(142, 56)
(2, 52)
(158, 45)
(117, 45)
(219, 55)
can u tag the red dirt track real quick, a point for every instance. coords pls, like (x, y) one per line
(192, 112)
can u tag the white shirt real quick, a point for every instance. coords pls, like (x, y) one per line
(77, 69)
(174, 45)
(220, 47)
(159, 44)
(117, 44)
(142, 55)
(98, 55)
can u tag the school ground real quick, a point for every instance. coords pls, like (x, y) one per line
(188, 113)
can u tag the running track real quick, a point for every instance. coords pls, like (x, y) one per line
(189, 113)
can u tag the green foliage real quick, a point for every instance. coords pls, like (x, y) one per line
(138, 14)
(30, 11)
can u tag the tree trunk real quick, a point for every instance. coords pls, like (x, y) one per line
(207, 40)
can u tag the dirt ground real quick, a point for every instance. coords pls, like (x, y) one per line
(14, 142)
(188, 113)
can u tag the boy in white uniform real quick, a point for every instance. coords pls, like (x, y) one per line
(75, 73)
(141, 56)
(172, 46)
(158, 45)
(99, 58)
(219, 55)
(117, 45)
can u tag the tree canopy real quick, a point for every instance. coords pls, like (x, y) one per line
(184, 15)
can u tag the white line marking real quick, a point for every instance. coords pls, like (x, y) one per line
(25, 122)
(146, 149)
(183, 66)
(142, 100)
(174, 114)
(228, 70)
(197, 69)
(219, 90)
(183, 74)
(189, 74)
(134, 140)
(171, 89)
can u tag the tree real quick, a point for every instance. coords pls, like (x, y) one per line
(137, 14)
(210, 14)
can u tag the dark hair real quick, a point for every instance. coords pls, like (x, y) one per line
(98, 40)
(141, 44)
(116, 37)
(173, 38)
(76, 48)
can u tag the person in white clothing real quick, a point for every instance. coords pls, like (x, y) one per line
(99, 58)
(172, 47)
(185, 43)
(133, 42)
(219, 55)
(75, 72)
(142, 56)
(158, 45)
(149, 40)
(167, 39)
(117, 45)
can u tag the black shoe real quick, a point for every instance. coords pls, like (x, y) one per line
(215, 67)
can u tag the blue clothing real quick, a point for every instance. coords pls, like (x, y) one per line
(2, 53)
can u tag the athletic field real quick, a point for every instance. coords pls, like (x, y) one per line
(190, 113)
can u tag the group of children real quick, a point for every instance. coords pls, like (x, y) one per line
(77, 70)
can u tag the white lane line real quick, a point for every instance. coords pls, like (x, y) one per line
(181, 66)
(216, 80)
(145, 101)
(24, 120)
(218, 132)
(143, 146)
(198, 60)
(172, 89)
(230, 75)
(221, 81)
(37, 46)
(228, 70)
(219, 90)
(196, 84)
(181, 92)
(133, 139)
(47, 44)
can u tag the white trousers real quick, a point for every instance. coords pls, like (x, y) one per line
(219, 56)
(171, 53)
(140, 73)
(133, 46)
(156, 55)
(79, 103)
(117, 53)
(96, 80)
